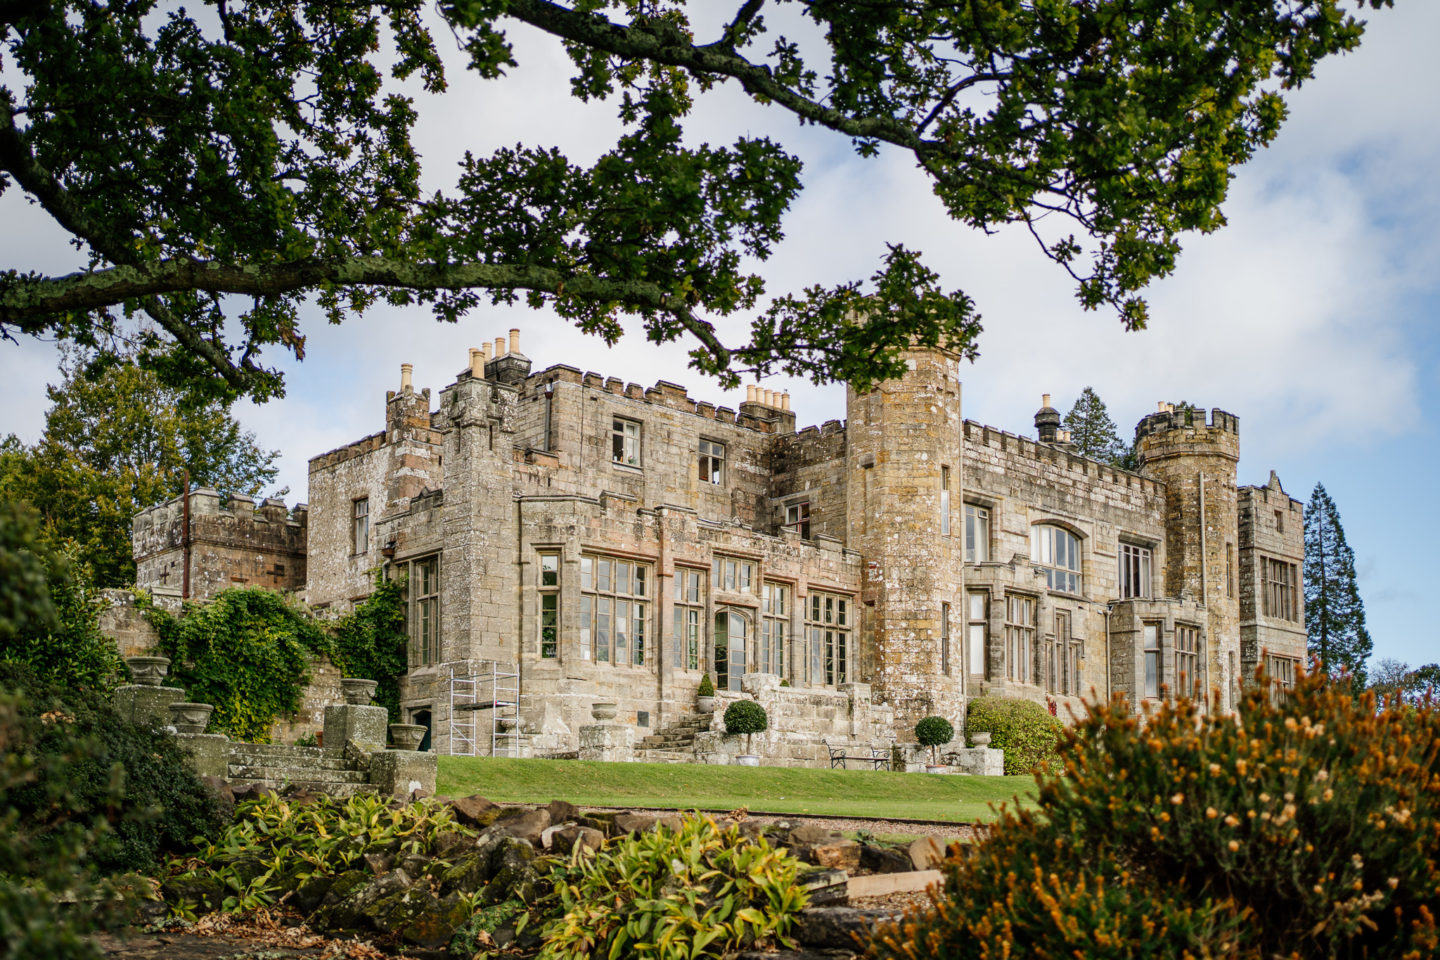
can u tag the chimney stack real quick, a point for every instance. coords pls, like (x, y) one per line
(785, 401)
(514, 339)
(405, 371)
(477, 364)
(499, 347)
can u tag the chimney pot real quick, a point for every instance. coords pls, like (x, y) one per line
(485, 351)
(405, 371)
(499, 347)
(749, 393)
(1044, 399)
(477, 364)
(785, 401)
(514, 339)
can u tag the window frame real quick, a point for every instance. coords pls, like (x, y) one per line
(797, 518)
(547, 584)
(743, 574)
(1020, 637)
(1045, 537)
(711, 462)
(687, 630)
(830, 629)
(977, 547)
(1136, 566)
(603, 597)
(944, 501)
(977, 629)
(360, 525)
(1280, 594)
(774, 626)
(625, 442)
(1154, 675)
(1187, 659)
(422, 609)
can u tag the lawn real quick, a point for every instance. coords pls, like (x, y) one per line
(847, 793)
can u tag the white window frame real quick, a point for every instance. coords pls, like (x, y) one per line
(360, 525)
(712, 461)
(1154, 678)
(625, 441)
(1136, 564)
(602, 595)
(977, 533)
(797, 518)
(1053, 548)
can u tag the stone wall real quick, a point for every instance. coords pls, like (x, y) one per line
(231, 543)
(1272, 525)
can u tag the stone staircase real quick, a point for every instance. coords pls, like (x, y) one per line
(673, 744)
(273, 766)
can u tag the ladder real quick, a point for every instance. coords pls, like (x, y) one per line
(493, 687)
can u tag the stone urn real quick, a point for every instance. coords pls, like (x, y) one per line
(748, 759)
(407, 736)
(148, 671)
(705, 705)
(981, 739)
(190, 717)
(358, 692)
(603, 712)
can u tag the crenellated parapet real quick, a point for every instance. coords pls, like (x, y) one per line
(227, 541)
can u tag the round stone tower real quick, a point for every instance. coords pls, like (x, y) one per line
(904, 475)
(1196, 460)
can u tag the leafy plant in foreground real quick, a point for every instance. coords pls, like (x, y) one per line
(670, 894)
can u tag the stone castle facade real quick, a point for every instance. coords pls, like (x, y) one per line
(603, 542)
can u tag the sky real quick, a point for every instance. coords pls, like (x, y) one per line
(1311, 316)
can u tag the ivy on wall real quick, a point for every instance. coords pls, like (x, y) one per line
(248, 652)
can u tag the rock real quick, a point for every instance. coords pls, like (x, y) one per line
(452, 843)
(247, 868)
(224, 796)
(351, 912)
(469, 874)
(475, 811)
(841, 854)
(514, 875)
(379, 862)
(926, 853)
(878, 859)
(597, 821)
(752, 829)
(808, 833)
(562, 811)
(311, 892)
(344, 885)
(838, 927)
(564, 839)
(824, 886)
(251, 791)
(203, 892)
(417, 916)
(416, 865)
(628, 823)
(525, 825)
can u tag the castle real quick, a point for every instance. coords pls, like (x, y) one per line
(577, 539)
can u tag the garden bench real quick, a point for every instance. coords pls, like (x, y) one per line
(879, 759)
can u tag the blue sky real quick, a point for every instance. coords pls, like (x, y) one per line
(1312, 316)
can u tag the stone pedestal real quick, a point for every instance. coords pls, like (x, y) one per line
(209, 752)
(146, 704)
(401, 773)
(978, 761)
(611, 742)
(367, 726)
(909, 758)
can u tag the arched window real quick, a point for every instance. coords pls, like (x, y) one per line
(1057, 551)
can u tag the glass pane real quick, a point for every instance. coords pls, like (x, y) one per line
(639, 580)
(622, 577)
(602, 575)
(585, 617)
(602, 629)
(587, 573)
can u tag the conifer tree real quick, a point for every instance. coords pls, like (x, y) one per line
(1334, 612)
(1091, 429)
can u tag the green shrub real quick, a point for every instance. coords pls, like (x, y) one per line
(371, 642)
(247, 652)
(747, 717)
(1308, 828)
(932, 732)
(1023, 729)
(59, 639)
(707, 687)
(131, 783)
(694, 892)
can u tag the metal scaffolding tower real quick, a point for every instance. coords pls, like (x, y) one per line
(494, 687)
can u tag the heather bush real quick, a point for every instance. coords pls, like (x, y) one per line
(1304, 828)
(1022, 728)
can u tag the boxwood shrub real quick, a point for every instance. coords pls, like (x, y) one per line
(1307, 827)
(1023, 729)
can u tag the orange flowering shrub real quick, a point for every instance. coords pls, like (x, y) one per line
(1306, 828)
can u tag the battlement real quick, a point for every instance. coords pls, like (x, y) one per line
(981, 435)
(1170, 417)
(237, 507)
(763, 411)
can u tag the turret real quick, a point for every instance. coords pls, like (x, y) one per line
(904, 461)
(1195, 458)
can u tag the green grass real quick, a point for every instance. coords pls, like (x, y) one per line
(841, 793)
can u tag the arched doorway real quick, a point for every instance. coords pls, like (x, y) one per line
(732, 631)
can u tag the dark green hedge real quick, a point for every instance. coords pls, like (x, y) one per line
(1023, 729)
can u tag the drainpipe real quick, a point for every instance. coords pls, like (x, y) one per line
(185, 540)
(1107, 653)
(549, 400)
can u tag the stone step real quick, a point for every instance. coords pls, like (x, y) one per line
(338, 790)
(296, 773)
(252, 758)
(665, 756)
(287, 750)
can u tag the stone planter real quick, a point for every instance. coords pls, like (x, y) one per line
(981, 739)
(603, 712)
(704, 705)
(747, 759)
(148, 671)
(936, 768)
(358, 692)
(190, 717)
(407, 736)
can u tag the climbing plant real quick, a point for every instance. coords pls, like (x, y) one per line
(370, 642)
(247, 652)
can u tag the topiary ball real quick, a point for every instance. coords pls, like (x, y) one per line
(933, 731)
(745, 716)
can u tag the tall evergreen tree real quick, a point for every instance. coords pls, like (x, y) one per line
(1091, 429)
(1334, 613)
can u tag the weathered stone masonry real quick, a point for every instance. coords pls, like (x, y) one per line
(534, 514)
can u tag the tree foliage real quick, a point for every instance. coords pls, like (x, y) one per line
(117, 440)
(371, 642)
(1092, 431)
(1392, 679)
(1334, 612)
(1301, 827)
(260, 148)
(70, 650)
